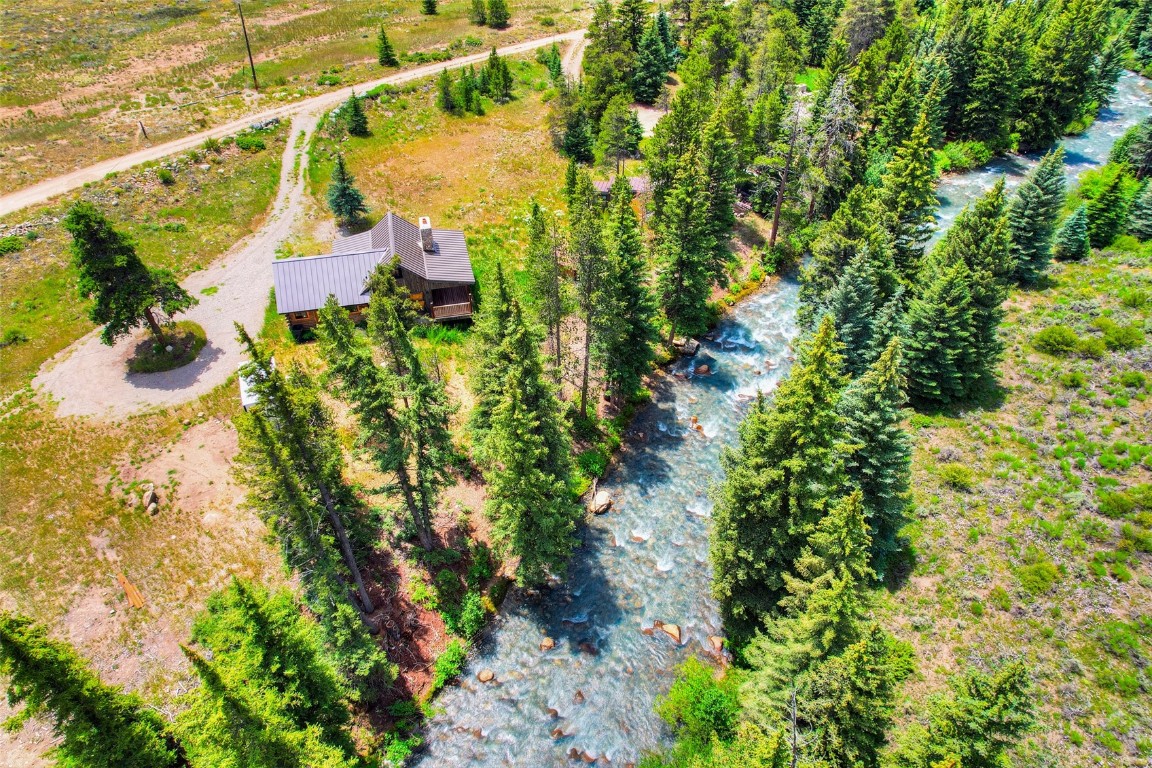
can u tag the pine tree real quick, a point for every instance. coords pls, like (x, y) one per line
(491, 330)
(532, 512)
(939, 347)
(344, 199)
(577, 142)
(291, 454)
(853, 305)
(498, 15)
(881, 464)
(545, 280)
(1107, 213)
(624, 348)
(833, 150)
(1140, 214)
(777, 484)
(446, 94)
(981, 718)
(864, 22)
(497, 76)
(124, 291)
(1033, 214)
(909, 195)
(97, 725)
(620, 132)
(827, 597)
(979, 237)
(858, 226)
(1001, 67)
(478, 14)
(1072, 237)
(898, 105)
(668, 39)
(719, 161)
(651, 66)
(850, 700)
(589, 259)
(783, 160)
(632, 15)
(385, 53)
(355, 117)
(1109, 66)
(1138, 154)
(684, 253)
(428, 7)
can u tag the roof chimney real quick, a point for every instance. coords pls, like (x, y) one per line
(426, 234)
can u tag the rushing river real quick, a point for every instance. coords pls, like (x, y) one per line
(591, 696)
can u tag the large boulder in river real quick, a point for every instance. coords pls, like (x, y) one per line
(687, 347)
(601, 503)
(486, 676)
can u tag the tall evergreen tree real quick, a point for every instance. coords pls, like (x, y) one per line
(624, 346)
(497, 76)
(833, 150)
(385, 53)
(344, 199)
(355, 117)
(1107, 213)
(863, 22)
(858, 226)
(577, 141)
(651, 66)
(487, 379)
(1109, 66)
(909, 195)
(428, 7)
(853, 305)
(1033, 214)
(684, 252)
(532, 511)
(125, 292)
(446, 94)
(668, 38)
(881, 464)
(980, 238)
(719, 160)
(498, 14)
(96, 725)
(478, 13)
(632, 16)
(939, 347)
(545, 279)
(1140, 214)
(1072, 238)
(1000, 69)
(609, 60)
(590, 260)
(789, 150)
(291, 454)
(850, 701)
(620, 132)
(778, 482)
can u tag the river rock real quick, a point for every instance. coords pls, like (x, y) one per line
(687, 347)
(486, 676)
(547, 644)
(600, 503)
(717, 643)
(578, 698)
(703, 370)
(672, 630)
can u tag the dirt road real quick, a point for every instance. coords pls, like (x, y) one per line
(91, 379)
(50, 188)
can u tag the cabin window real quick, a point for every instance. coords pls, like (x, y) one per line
(298, 315)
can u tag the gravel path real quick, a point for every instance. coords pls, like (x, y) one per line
(49, 188)
(91, 379)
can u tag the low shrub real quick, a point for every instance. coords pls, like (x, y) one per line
(249, 142)
(1038, 578)
(1074, 379)
(166, 177)
(448, 665)
(1134, 379)
(212, 145)
(1115, 504)
(11, 244)
(1134, 299)
(960, 156)
(1091, 347)
(698, 706)
(958, 476)
(1057, 340)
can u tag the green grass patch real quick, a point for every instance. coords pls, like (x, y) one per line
(181, 345)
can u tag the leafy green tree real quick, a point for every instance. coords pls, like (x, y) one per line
(344, 200)
(624, 347)
(849, 701)
(700, 708)
(546, 279)
(355, 117)
(385, 53)
(1033, 214)
(976, 723)
(1108, 213)
(777, 483)
(498, 15)
(125, 292)
(651, 66)
(1140, 214)
(980, 238)
(428, 7)
(684, 252)
(1072, 238)
(881, 464)
(97, 725)
(532, 511)
(938, 344)
(269, 696)
(620, 132)
(478, 13)
(909, 195)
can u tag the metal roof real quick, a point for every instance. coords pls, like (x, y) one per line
(306, 283)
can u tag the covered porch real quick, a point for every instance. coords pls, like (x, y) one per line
(451, 303)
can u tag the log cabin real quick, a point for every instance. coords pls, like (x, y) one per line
(433, 264)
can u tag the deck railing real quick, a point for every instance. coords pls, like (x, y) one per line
(445, 311)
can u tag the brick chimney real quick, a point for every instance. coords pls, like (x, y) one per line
(426, 234)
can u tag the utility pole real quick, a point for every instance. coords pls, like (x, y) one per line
(247, 45)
